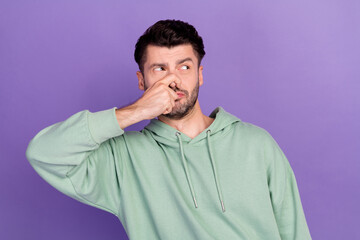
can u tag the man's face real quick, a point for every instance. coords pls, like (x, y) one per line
(180, 61)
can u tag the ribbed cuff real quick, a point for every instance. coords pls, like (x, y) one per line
(103, 125)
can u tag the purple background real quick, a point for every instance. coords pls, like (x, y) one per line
(290, 67)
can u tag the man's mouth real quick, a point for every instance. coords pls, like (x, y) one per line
(180, 94)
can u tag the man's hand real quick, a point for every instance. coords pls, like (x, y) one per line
(156, 100)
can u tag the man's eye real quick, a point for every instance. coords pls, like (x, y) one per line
(159, 69)
(185, 67)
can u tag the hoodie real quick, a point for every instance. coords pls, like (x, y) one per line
(232, 181)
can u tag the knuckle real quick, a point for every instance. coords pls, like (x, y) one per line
(164, 86)
(159, 83)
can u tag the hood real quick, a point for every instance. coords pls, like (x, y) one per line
(171, 137)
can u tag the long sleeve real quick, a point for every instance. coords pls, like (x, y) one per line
(285, 197)
(79, 158)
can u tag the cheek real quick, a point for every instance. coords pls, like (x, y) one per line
(189, 85)
(190, 79)
(149, 80)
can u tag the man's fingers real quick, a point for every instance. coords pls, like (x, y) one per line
(173, 94)
(169, 106)
(168, 110)
(176, 82)
(172, 102)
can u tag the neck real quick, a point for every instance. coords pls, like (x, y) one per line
(192, 124)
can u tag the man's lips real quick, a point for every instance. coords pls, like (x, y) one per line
(180, 94)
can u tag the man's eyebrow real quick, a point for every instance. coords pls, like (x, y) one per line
(177, 63)
(157, 65)
(184, 60)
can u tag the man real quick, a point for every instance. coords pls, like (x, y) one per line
(185, 175)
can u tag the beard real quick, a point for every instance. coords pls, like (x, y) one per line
(180, 110)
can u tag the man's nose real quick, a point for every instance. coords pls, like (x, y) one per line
(177, 79)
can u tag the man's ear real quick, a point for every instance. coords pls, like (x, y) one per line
(201, 81)
(141, 82)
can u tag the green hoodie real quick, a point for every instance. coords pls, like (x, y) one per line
(232, 181)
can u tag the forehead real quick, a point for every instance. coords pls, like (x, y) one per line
(156, 54)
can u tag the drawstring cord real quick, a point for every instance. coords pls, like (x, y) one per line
(214, 171)
(186, 168)
(213, 167)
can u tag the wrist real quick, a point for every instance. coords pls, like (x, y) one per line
(128, 115)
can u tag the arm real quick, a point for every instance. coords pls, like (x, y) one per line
(76, 157)
(83, 156)
(285, 195)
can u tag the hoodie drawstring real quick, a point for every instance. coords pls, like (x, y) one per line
(186, 169)
(213, 168)
(214, 171)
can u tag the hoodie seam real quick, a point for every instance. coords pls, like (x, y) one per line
(285, 180)
(279, 205)
(283, 194)
(89, 130)
(123, 163)
(174, 144)
(87, 200)
(214, 140)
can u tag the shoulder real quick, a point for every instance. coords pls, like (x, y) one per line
(133, 136)
(256, 136)
(252, 131)
(243, 128)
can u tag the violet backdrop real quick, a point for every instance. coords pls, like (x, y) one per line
(291, 67)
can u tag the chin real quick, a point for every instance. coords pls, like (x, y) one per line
(179, 112)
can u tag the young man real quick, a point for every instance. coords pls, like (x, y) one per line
(185, 175)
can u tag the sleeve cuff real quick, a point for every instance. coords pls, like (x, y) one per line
(103, 125)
